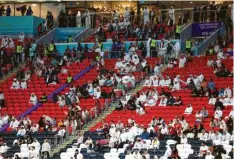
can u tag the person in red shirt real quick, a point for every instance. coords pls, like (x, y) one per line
(172, 131)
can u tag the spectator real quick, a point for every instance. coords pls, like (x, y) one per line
(43, 98)
(2, 99)
(33, 99)
(29, 11)
(45, 149)
(21, 132)
(23, 84)
(218, 113)
(204, 112)
(188, 110)
(15, 84)
(8, 10)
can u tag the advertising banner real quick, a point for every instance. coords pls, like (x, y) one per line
(204, 29)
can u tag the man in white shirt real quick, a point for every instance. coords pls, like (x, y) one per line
(129, 155)
(210, 63)
(118, 64)
(204, 135)
(212, 100)
(226, 136)
(23, 84)
(21, 132)
(33, 153)
(14, 123)
(203, 149)
(137, 155)
(227, 101)
(157, 70)
(78, 154)
(15, 84)
(163, 101)
(33, 99)
(227, 92)
(182, 61)
(218, 113)
(148, 82)
(164, 130)
(188, 110)
(3, 148)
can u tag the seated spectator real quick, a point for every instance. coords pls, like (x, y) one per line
(171, 101)
(203, 149)
(15, 84)
(188, 110)
(210, 62)
(148, 82)
(33, 153)
(2, 99)
(23, 84)
(227, 92)
(212, 100)
(139, 110)
(220, 54)
(163, 101)
(14, 124)
(227, 101)
(198, 117)
(46, 149)
(218, 113)
(204, 112)
(211, 84)
(21, 132)
(219, 104)
(33, 99)
(3, 148)
(43, 98)
(178, 101)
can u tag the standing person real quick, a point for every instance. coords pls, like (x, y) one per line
(188, 45)
(203, 13)
(146, 15)
(115, 16)
(152, 15)
(178, 30)
(126, 17)
(153, 45)
(132, 16)
(8, 10)
(172, 14)
(29, 11)
(45, 149)
(78, 19)
(148, 47)
(49, 20)
(212, 11)
(62, 21)
(19, 51)
(158, 16)
(87, 18)
(32, 51)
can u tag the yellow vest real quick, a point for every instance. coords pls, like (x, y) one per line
(153, 43)
(100, 45)
(211, 51)
(19, 49)
(51, 47)
(70, 40)
(188, 44)
(69, 79)
(178, 28)
(98, 58)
